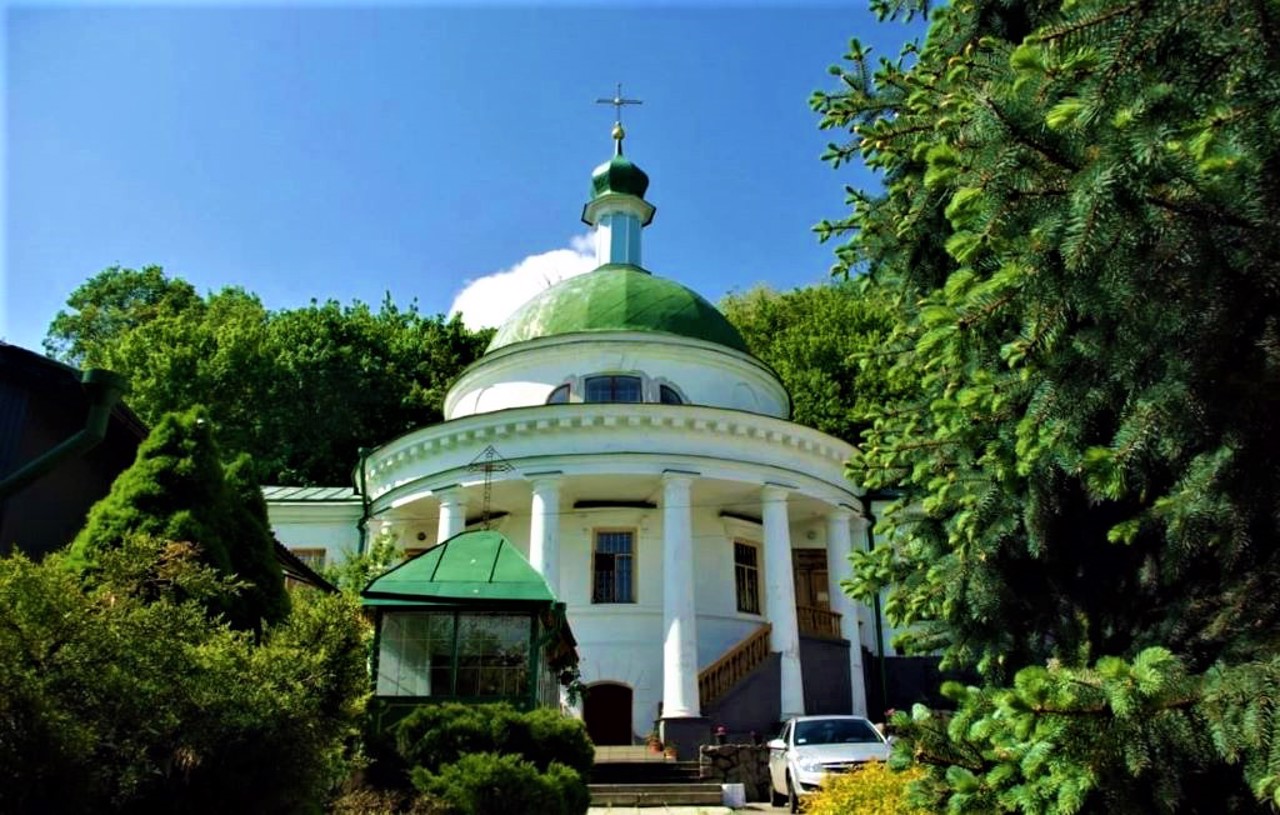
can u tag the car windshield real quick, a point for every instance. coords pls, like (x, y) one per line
(836, 731)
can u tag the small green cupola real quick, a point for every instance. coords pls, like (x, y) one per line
(619, 174)
(617, 209)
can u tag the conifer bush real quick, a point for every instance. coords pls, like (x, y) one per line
(497, 784)
(496, 759)
(435, 735)
(178, 490)
(1078, 227)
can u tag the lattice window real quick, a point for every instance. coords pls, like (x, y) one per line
(746, 574)
(614, 389)
(614, 567)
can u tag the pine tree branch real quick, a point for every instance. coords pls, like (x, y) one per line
(1015, 130)
(1074, 28)
(1199, 211)
(1266, 30)
(964, 323)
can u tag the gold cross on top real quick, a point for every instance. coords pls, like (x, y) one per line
(618, 101)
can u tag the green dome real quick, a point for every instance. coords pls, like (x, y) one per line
(618, 297)
(619, 175)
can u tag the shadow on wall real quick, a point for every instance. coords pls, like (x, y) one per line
(908, 681)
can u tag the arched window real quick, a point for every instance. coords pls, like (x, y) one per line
(613, 389)
(559, 396)
(668, 395)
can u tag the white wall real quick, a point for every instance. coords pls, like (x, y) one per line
(704, 373)
(332, 527)
(623, 642)
(617, 642)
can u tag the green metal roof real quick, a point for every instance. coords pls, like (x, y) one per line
(619, 175)
(618, 297)
(473, 567)
(310, 494)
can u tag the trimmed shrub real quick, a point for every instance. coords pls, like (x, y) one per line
(544, 736)
(872, 789)
(494, 784)
(575, 798)
(435, 735)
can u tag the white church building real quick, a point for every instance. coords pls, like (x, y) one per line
(656, 482)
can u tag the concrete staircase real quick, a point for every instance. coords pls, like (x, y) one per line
(634, 777)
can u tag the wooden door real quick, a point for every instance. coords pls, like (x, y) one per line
(810, 567)
(606, 709)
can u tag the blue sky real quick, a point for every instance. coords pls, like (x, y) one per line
(346, 151)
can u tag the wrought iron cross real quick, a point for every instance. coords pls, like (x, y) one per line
(618, 101)
(488, 462)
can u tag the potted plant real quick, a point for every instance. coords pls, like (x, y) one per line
(653, 742)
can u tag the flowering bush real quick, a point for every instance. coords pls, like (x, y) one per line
(872, 789)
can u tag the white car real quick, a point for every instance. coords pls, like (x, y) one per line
(811, 747)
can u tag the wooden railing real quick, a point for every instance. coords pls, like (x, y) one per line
(717, 678)
(818, 622)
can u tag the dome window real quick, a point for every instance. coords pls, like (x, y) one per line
(613, 389)
(559, 396)
(668, 395)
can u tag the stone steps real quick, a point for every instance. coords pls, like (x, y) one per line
(646, 772)
(655, 795)
(649, 783)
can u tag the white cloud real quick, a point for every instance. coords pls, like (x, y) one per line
(488, 301)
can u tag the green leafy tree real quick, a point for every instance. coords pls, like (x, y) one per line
(125, 696)
(1078, 221)
(356, 569)
(176, 490)
(364, 375)
(827, 344)
(112, 304)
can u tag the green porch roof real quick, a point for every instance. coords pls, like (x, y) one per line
(477, 567)
(618, 297)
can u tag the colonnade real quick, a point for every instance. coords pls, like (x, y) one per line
(679, 607)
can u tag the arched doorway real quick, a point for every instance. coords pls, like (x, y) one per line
(606, 709)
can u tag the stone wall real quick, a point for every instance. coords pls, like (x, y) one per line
(746, 764)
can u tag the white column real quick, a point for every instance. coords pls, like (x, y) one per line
(680, 636)
(618, 238)
(453, 514)
(867, 633)
(544, 527)
(780, 596)
(839, 544)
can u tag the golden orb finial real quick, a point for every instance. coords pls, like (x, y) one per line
(618, 101)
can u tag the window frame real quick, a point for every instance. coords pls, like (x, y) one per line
(562, 388)
(738, 585)
(307, 554)
(595, 551)
(458, 659)
(613, 378)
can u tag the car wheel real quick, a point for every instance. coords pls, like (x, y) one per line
(776, 799)
(793, 800)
